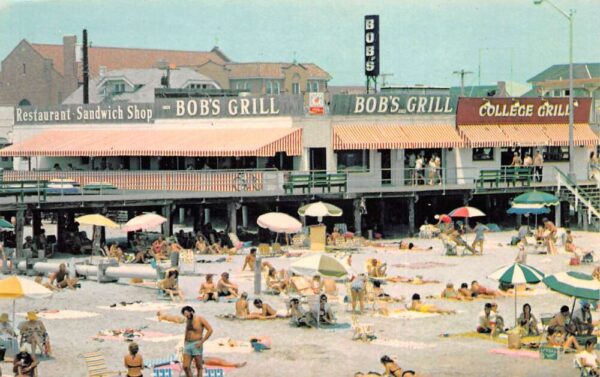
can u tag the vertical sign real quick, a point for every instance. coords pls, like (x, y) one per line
(316, 103)
(372, 46)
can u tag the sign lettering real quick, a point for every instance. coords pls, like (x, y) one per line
(372, 46)
(378, 104)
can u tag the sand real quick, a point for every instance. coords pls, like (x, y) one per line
(415, 343)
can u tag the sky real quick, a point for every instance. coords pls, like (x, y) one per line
(421, 41)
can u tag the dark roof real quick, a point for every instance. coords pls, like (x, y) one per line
(561, 72)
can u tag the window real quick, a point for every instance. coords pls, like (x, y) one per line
(272, 87)
(24, 68)
(557, 154)
(119, 88)
(242, 85)
(312, 86)
(295, 88)
(84, 160)
(483, 154)
(353, 160)
(198, 86)
(276, 87)
(269, 89)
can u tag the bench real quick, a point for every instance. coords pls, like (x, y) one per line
(339, 180)
(302, 181)
(99, 187)
(523, 174)
(490, 176)
(320, 179)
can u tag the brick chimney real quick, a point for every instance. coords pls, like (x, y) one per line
(71, 81)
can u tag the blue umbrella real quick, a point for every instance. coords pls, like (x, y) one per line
(528, 209)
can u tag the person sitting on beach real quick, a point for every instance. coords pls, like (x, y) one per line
(486, 320)
(274, 283)
(241, 306)
(115, 252)
(528, 322)
(376, 268)
(133, 361)
(33, 332)
(208, 290)
(158, 250)
(140, 253)
(588, 359)
(557, 338)
(562, 322)
(455, 236)
(25, 364)
(6, 329)
(499, 318)
(299, 316)
(61, 278)
(393, 370)
(170, 285)
(569, 244)
(417, 306)
(451, 293)
(483, 292)
(250, 260)
(323, 311)
(266, 311)
(550, 231)
(40, 280)
(358, 292)
(405, 245)
(334, 237)
(226, 288)
(522, 254)
(582, 319)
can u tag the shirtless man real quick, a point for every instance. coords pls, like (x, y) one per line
(250, 260)
(266, 311)
(551, 230)
(195, 336)
(241, 307)
(225, 288)
(61, 278)
(208, 291)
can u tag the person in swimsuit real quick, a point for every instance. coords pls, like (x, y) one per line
(24, 364)
(197, 331)
(405, 245)
(300, 317)
(226, 288)
(208, 291)
(483, 292)
(451, 293)
(550, 235)
(392, 369)
(250, 260)
(417, 306)
(61, 278)
(323, 311)
(133, 361)
(376, 268)
(266, 311)
(170, 285)
(274, 283)
(357, 292)
(465, 292)
(241, 306)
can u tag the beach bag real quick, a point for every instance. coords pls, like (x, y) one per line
(574, 261)
(588, 258)
(514, 340)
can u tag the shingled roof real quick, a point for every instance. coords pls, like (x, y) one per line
(561, 72)
(272, 70)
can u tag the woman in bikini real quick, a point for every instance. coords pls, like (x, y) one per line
(392, 369)
(133, 361)
(417, 306)
(451, 293)
(405, 245)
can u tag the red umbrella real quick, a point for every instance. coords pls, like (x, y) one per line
(466, 212)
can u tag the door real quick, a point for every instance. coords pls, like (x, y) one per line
(318, 159)
(386, 166)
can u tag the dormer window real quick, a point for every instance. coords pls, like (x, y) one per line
(119, 88)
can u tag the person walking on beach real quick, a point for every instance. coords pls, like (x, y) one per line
(479, 230)
(133, 361)
(197, 331)
(357, 293)
(538, 165)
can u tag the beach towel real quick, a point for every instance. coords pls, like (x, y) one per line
(501, 339)
(127, 335)
(423, 265)
(223, 345)
(62, 314)
(407, 314)
(335, 326)
(142, 307)
(401, 344)
(516, 353)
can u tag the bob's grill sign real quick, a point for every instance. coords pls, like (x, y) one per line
(372, 46)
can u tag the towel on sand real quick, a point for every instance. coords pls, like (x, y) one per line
(62, 314)
(502, 338)
(407, 314)
(142, 307)
(401, 344)
(223, 345)
(125, 335)
(516, 353)
(423, 265)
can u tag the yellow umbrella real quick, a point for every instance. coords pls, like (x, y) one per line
(96, 219)
(16, 287)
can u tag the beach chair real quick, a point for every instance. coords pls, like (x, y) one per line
(96, 365)
(362, 331)
(276, 248)
(299, 285)
(214, 372)
(298, 240)
(583, 371)
(264, 250)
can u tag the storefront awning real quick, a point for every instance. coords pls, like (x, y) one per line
(526, 135)
(392, 136)
(238, 142)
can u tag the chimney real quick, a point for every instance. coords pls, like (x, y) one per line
(501, 89)
(69, 64)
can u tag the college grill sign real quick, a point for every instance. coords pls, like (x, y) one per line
(185, 108)
(379, 104)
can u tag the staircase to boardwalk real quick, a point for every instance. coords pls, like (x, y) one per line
(585, 198)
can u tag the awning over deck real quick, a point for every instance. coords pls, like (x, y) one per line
(393, 136)
(262, 142)
(526, 135)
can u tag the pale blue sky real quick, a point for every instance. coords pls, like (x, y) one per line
(422, 41)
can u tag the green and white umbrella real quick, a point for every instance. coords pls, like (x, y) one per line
(319, 264)
(517, 273)
(320, 210)
(574, 284)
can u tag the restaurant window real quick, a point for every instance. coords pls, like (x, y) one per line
(483, 154)
(557, 154)
(353, 160)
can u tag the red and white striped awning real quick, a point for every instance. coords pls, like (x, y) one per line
(230, 142)
(526, 135)
(394, 136)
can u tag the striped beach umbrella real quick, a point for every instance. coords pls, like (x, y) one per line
(466, 212)
(320, 210)
(517, 273)
(319, 264)
(574, 284)
(537, 197)
(528, 209)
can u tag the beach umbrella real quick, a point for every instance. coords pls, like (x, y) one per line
(537, 197)
(528, 209)
(96, 220)
(6, 225)
(319, 264)
(466, 212)
(517, 273)
(574, 284)
(320, 210)
(145, 221)
(16, 287)
(279, 223)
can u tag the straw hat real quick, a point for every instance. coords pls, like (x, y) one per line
(32, 316)
(4, 318)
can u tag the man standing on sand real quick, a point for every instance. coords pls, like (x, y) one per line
(195, 336)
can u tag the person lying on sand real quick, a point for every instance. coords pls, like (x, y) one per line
(208, 290)
(405, 245)
(483, 292)
(250, 260)
(266, 311)
(451, 293)
(417, 306)
(465, 292)
(241, 306)
(418, 280)
(39, 279)
(226, 288)
(557, 338)
(376, 268)
(381, 295)
(216, 362)
(393, 370)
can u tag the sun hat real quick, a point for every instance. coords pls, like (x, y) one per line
(32, 316)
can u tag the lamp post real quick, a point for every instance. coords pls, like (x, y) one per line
(569, 16)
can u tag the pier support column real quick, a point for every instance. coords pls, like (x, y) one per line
(411, 216)
(36, 223)
(182, 216)
(232, 214)
(586, 223)
(206, 216)
(19, 231)
(245, 216)
(257, 276)
(60, 230)
(357, 217)
(381, 221)
(167, 226)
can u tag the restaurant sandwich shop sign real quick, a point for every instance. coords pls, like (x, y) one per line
(184, 108)
(381, 104)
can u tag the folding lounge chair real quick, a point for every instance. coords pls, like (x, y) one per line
(96, 365)
(583, 371)
(362, 331)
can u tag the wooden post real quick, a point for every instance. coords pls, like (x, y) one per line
(411, 215)
(181, 216)
(357, 217)
(232, 213)
(19, 232)
(167, 226)
(585, 219)
(36, 223)
(60, 230)
(381, 225)
(257, 275)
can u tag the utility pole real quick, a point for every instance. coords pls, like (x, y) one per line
(462, 74)
(86, 69)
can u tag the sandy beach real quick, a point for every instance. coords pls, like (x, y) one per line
(415, 342)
